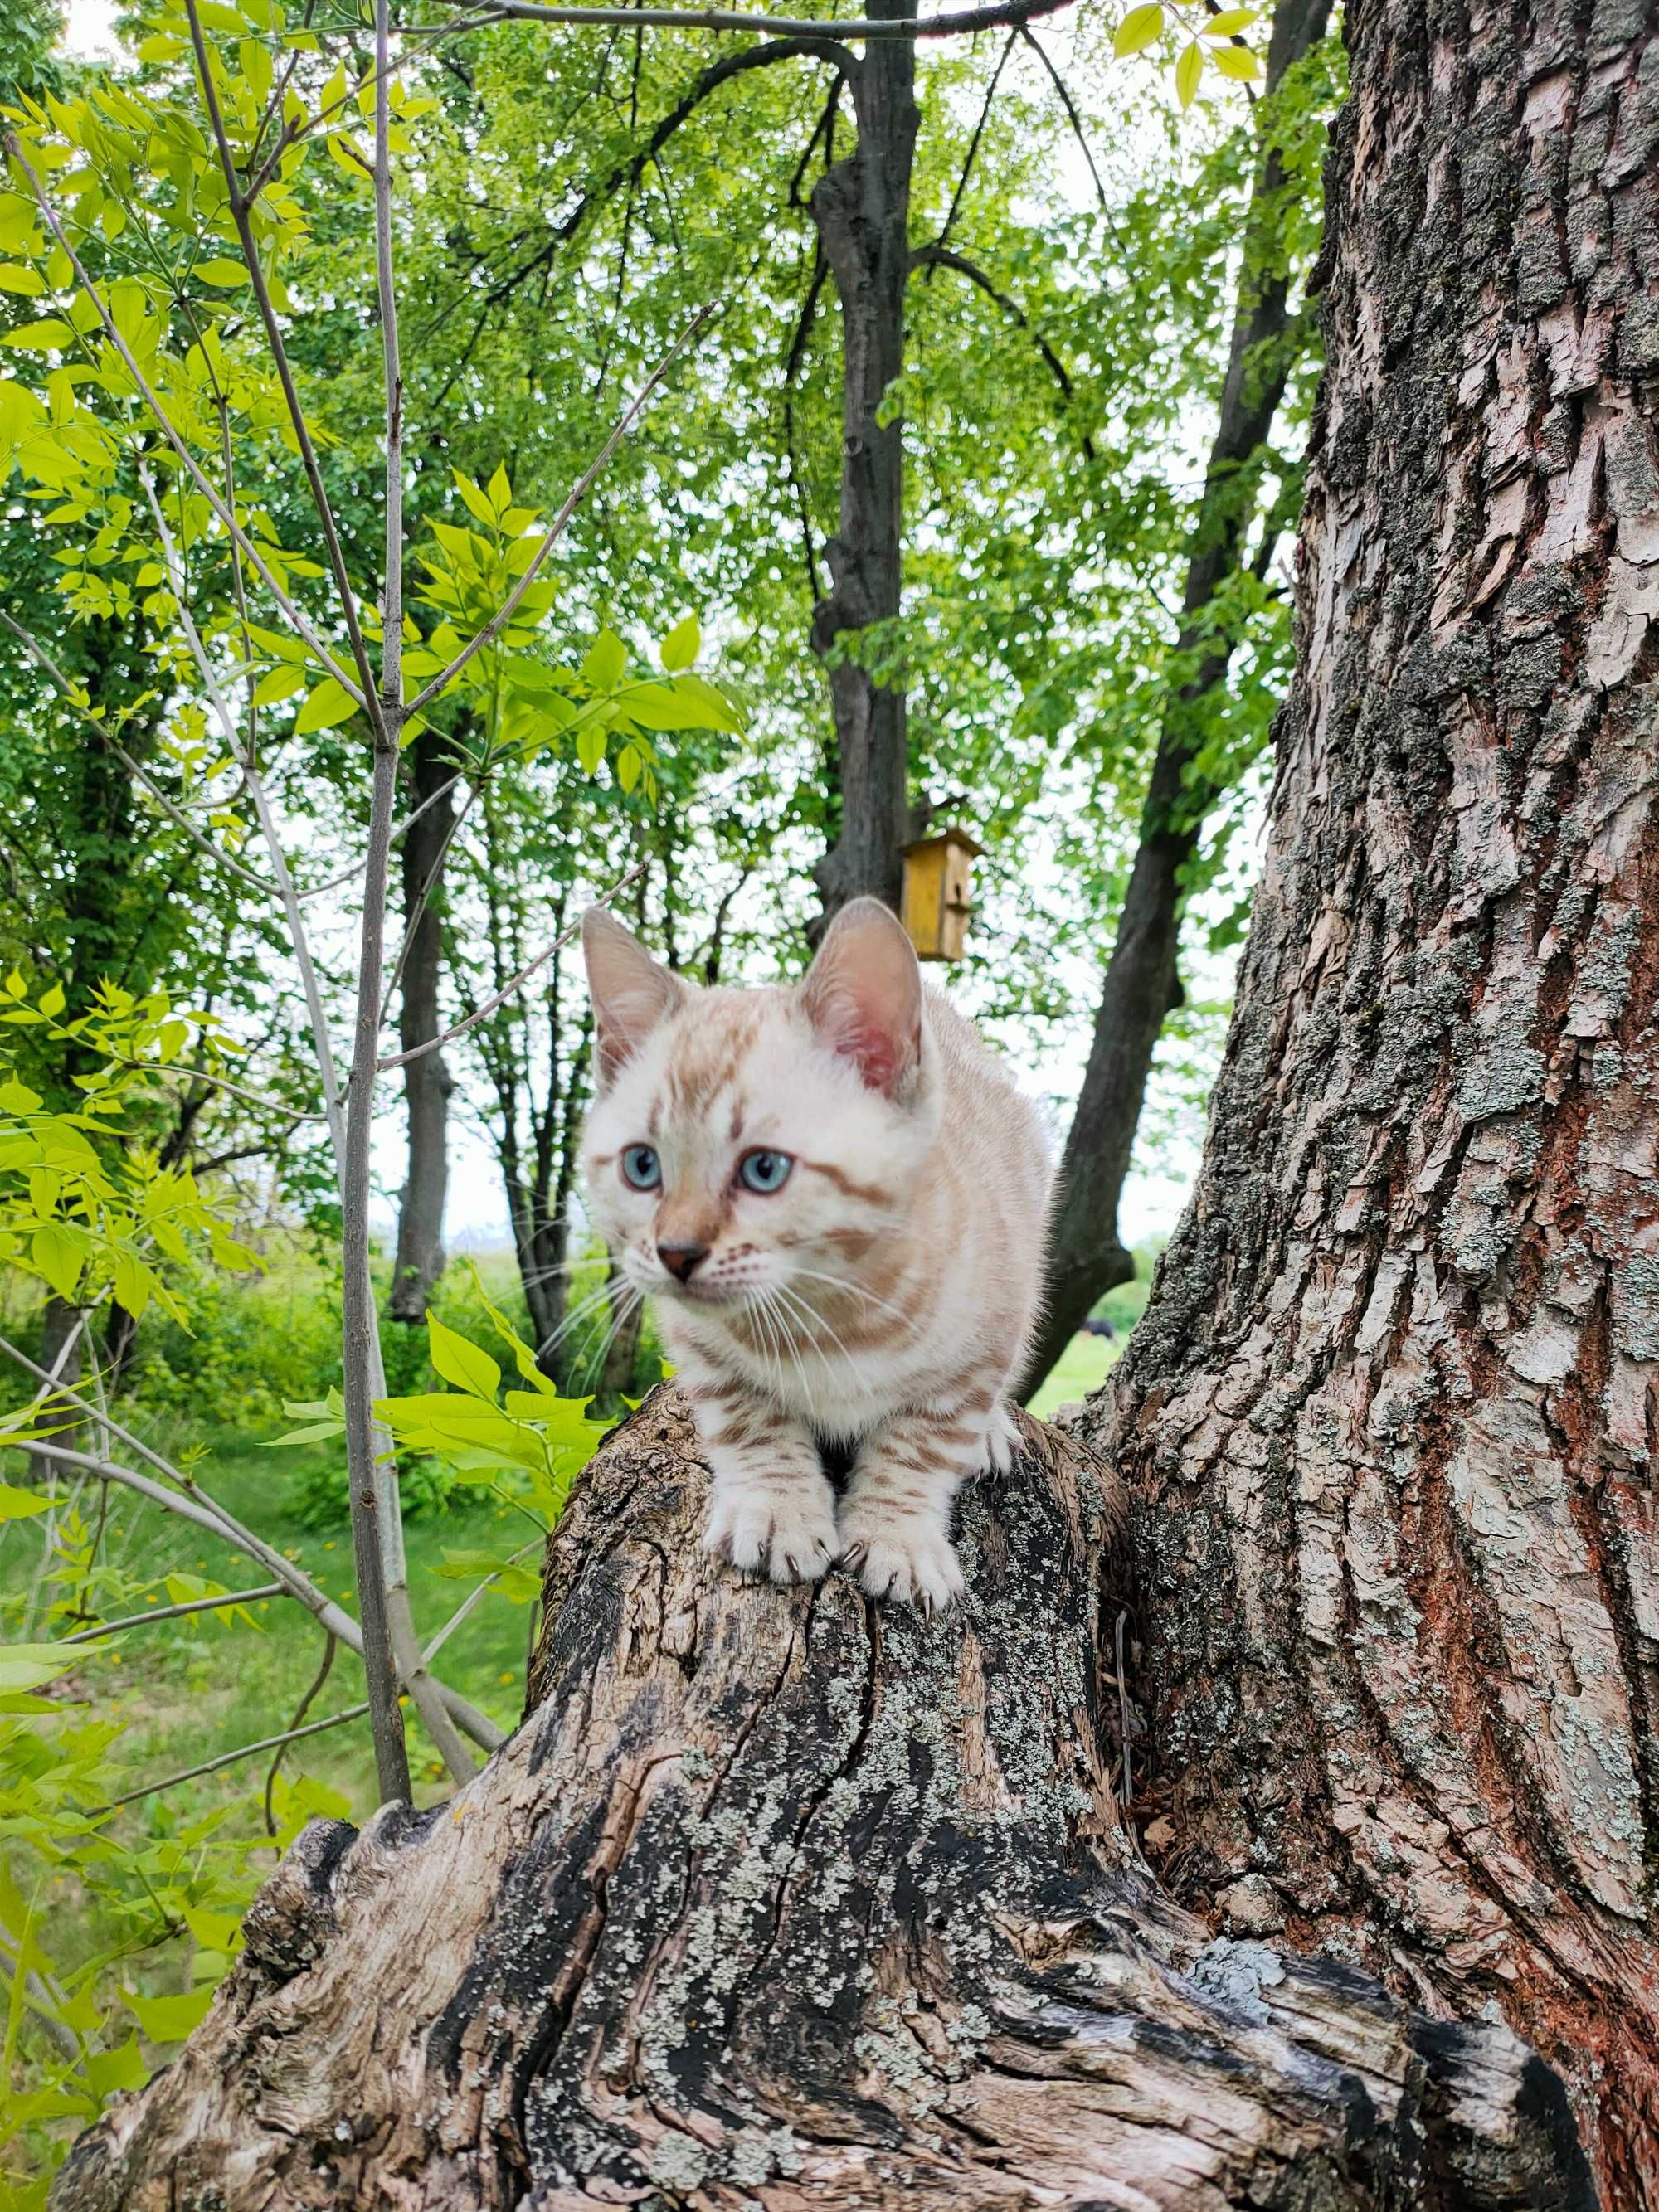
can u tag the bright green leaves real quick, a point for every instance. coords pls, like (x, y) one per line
(83, 1208)
(461, 1362)
(1138, 28)
(1210, 40)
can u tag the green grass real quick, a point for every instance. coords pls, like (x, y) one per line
(1082, 1367)
(189, 1689)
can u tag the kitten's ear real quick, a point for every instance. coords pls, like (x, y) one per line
(631, 992)
(863, 994)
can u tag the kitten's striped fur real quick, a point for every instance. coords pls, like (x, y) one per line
(881, 1299)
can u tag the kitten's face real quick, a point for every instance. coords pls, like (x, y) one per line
(756, 1149)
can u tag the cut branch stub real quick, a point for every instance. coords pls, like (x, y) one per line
(778, 1899)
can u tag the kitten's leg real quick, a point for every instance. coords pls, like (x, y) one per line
(895, 1522)
(772, 1507)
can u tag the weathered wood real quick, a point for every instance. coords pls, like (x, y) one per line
(1393, 1414)
(781, 1899)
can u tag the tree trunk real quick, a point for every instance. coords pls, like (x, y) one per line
(428, 1082)
(1141, 986)
(862, 210)
(780, 1899)
(1392, 1413)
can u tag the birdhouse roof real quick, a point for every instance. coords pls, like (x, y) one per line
(959, 838)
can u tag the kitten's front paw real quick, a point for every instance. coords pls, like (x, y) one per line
(905, 1557)
(788, 1533)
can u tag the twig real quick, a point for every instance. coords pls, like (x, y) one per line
(230, 1758)
(240, 204)
(177, 1612)
(504, 614)
(206, 1513)
(1070, 106)
(203, 484)
(947, 26)
(330, 1645)
(482, 1012)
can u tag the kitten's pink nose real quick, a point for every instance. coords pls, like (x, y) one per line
(682, 1260)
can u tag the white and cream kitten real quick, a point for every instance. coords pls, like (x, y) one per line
(838, 1198)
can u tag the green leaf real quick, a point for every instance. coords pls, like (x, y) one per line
(1237, 62)
(476, 502)
(16, 1097)
(460, 1362)
(28, 282)
(124, 2067)
(135, 1283)
(329, 705)
(56, 1254)
(1138, 30)
(312, 1435)
(222, 271)
(682, 645)
(279, 684)
(52, 1001)
(26, 1665)
(21, 1506)
(628, 767)
(590, 746)
(1229, 23)
(47, 335)
(1188, 71)
(169, 2020)
(604, 663)
(501, 492)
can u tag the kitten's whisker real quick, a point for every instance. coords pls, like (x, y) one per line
(858, 1290)
(815, 1321)
(585, 1310)
(770, 1295)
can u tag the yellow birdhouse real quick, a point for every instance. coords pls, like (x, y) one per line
(937, 879)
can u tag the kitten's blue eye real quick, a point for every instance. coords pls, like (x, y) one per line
(764, 1172)
(641, 1167)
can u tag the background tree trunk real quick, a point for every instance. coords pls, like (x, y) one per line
(1141, 986)
(779, 1899)
(862, 210)
(1391, 1414)
(428, 1082)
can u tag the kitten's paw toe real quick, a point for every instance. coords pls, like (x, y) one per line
(916, 1565)
(1002, 1441)
(791, 1538)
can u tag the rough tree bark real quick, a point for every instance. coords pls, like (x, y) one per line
(1393, 1414)
(780, 1900)
(428, 1082)
(861, 207)
(1141, 986)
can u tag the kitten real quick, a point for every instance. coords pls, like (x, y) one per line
(839, 1199)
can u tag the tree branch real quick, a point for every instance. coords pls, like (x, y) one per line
(483, 1012)
(944, 257)
(498, 622)
(177, 1612)
(953, 23)
(230, 1758)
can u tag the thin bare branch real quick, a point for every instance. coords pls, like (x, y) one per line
(951, 24)
(178, 1611)
(498, 622)
(330, 1645)
(1070, 106)
(230, 1758)
(240, 209)
(302, 628)
(481, 1013)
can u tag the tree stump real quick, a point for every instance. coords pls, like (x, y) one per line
(780, 1899)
